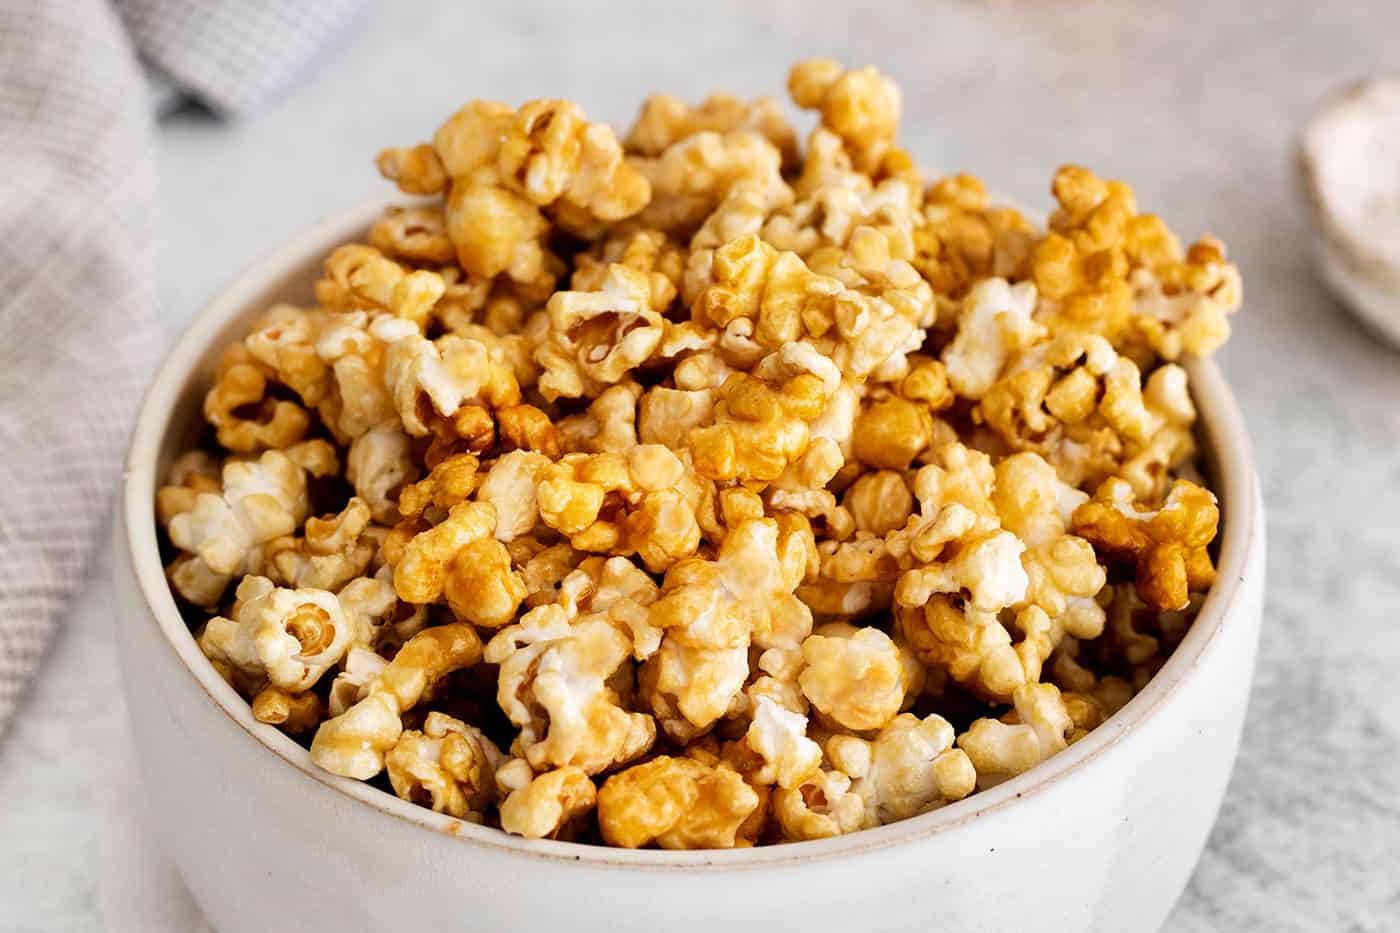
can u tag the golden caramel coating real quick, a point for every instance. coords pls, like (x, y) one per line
(665, 120)
(293, 713)
(548, 804)
(675, 803)
(291, 637)
(331, 552)
(1038, 727)
(861, 106)
(449, 767)
(596, 338)
(965, 238)
(855, 677)
(354, 743)
(751, 458)
(275, 423)
(553, 684)
(909, 768)
(1166, 545)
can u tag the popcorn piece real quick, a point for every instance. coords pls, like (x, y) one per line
(647, 252)
(551, 153)
(354, 743)
(293, 713)
(965, 238)
(855, 677)
(596, 338)
(331, 552)
(955, 509)
(1078, 403)
(509, 487)
(192, 473)
(275, 424)
(879, 502)
(461, 559)
(995, 323)
(860, 106)
(675, 803)
(711, 611)
(778, 736)
(291, 637)
(260, 500)
(548, 804)
(450, 481)
(554, 686)
(609, 425)
(449, 767)
(665, 120)
(891, 432)
(856, 578)
(1167, 546)
(1037, 729)
(413, 234)
(646, 502)
(1182, 306)
(822, 806)
(446, 373)
(910, 768)
(1063, 571)
(360, 669)
(692, 176)
(378, 466)
(763, 420)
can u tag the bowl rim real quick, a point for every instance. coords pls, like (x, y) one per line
(1241, 544)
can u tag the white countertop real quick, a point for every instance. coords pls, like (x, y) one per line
(1194, 103)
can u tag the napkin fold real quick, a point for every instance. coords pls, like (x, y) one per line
(79, 306)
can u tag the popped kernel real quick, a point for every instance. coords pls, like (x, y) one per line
(259, 500)
(554, 686)
(861, 106)
(354, 743)
(291, 637)
(910, 767)
(675, 803)
(1166, 545)
(1038, 727)
(665, 120)
(449, 766)
(293, 713)
(853, 676)
(548, 804)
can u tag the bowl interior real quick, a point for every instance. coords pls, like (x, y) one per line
(170, 421)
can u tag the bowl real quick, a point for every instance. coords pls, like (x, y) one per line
(1102, 836)
(1346, 160)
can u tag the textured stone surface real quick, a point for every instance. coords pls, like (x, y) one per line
(1195, 103)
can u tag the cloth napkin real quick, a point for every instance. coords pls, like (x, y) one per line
(79, 315)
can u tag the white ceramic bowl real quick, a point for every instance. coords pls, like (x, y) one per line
(1101, 837)
(1346, 161)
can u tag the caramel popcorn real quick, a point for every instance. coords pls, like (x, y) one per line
(1166, 545)
(290, 637)
(753, 461)
(909, 768)
(676, 803)
(449, 766)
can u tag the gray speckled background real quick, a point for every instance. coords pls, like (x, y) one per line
(1195, 103)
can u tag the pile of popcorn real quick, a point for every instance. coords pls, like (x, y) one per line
(701, 489)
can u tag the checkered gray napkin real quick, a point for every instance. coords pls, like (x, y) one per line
(78, 273)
